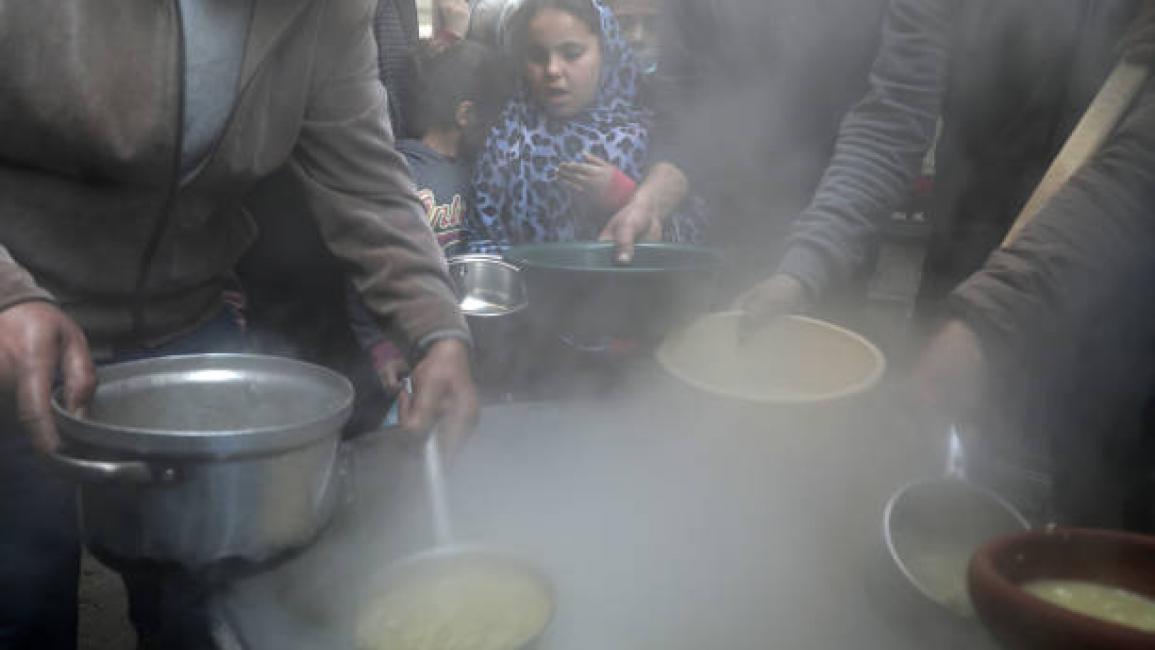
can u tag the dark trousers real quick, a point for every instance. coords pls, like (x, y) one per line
(39, 550)
(40, 541)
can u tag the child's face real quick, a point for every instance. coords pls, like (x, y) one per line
(639, 22)
(563, 66)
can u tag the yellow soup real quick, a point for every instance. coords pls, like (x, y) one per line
(941, 569)
(458, 607)
(1100, 601)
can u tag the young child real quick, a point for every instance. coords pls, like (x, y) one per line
(638, 20)
(457, 94)
(570, 147)
(457, 91)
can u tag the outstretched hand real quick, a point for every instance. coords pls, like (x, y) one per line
(637, 221)
(950, 376)
(778, 295)
(660, 193)
(443, 392)
(38, 341)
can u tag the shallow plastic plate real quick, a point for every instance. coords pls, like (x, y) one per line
(792, 360)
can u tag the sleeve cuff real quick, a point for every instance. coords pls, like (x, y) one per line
(16, 284)
(429, 339)
(619, 192)
(809, 267)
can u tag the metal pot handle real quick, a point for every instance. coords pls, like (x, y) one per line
(130, 472)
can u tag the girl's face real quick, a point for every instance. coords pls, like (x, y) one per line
(564, 63)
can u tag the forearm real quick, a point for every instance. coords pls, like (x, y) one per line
(1083, 258)
(880, 147)
(663, 189)
(360, 192)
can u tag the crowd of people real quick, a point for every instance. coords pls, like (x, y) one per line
(317, 158)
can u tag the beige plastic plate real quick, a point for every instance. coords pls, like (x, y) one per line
(792, 360)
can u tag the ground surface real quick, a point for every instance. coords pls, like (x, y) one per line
(103, 611)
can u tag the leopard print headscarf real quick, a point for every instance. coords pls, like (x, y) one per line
(517, 197)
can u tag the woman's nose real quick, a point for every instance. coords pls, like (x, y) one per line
(553, 67)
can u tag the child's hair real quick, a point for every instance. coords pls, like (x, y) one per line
(518, 27)
(444, 76)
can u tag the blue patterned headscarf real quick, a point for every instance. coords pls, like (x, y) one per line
(517, 197)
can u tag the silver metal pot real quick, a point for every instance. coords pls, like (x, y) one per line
(487, 286)
(492, 297)
(202, 459)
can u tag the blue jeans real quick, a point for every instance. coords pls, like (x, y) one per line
(39, 536)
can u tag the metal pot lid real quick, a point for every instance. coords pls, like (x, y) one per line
(209, 405)
(598, 257)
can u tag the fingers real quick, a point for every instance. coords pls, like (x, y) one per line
(577, 172)
(34, 403)
(36, 341)
(621, 235)
(778, 296)
(393, 374)
(572, 185)
(418, 411)
(578, 177)
(594, 160)
(412, 436)
(77, 371)
(459, 420)
(443, 390)
(623, 247)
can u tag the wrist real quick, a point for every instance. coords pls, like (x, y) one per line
(618, 192)
(446, 36)
(445, 339)
(661, 192)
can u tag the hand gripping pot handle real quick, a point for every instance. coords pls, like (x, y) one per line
(107, 471)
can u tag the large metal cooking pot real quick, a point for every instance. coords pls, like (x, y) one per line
(206, 458)
(577, 292)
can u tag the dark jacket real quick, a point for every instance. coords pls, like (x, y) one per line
(91, 213)
(396, 30)
(1067, 323)
(1009, 80)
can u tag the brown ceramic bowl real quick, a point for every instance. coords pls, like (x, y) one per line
(1019, 620)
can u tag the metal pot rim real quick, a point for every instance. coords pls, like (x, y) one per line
(208, 444)
(666, 358)
(412, 563)
(888, 534)
(494, 260)
(525, 257)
